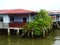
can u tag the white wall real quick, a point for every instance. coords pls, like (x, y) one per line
(5, 18)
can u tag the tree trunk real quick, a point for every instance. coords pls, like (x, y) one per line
(32, 33)
(28, 33)
(43, 32)
(23, 33)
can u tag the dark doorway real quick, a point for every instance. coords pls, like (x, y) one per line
(24, 19)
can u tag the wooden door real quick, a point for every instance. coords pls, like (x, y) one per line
(24, 20)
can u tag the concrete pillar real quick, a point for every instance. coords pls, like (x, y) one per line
(18, 32)
(8, 31)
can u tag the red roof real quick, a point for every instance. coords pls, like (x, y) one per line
(13, 11)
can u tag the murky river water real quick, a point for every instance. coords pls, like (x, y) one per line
(52, 39)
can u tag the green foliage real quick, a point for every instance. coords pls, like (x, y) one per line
(42, 20)
(37, 32)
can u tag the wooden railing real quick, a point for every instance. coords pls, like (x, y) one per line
(18, 25)
(4, 25)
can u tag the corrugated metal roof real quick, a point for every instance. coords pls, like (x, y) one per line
(13, 11)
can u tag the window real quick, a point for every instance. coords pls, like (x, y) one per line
(24, 19)
(11, 18)
(17, 19)
(57, 17)
(1, 19)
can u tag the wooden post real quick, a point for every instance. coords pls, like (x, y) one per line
(8, 31)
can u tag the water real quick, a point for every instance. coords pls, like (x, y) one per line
(52, 39)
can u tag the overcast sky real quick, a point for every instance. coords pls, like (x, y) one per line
(30, 4)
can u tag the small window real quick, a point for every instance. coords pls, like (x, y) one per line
(1, 19)
(24, 19)
(11, 18)
(57, 17)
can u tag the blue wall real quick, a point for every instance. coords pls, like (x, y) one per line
(20, 18)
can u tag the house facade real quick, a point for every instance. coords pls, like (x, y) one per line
(55, 15)
(15, 18)
(12, 21)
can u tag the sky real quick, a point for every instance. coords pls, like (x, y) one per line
(35, 5)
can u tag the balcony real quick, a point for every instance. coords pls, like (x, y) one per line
(4, 25)
(16, 24)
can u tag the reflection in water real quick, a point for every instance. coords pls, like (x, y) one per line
(57, 38)
(52, 39)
